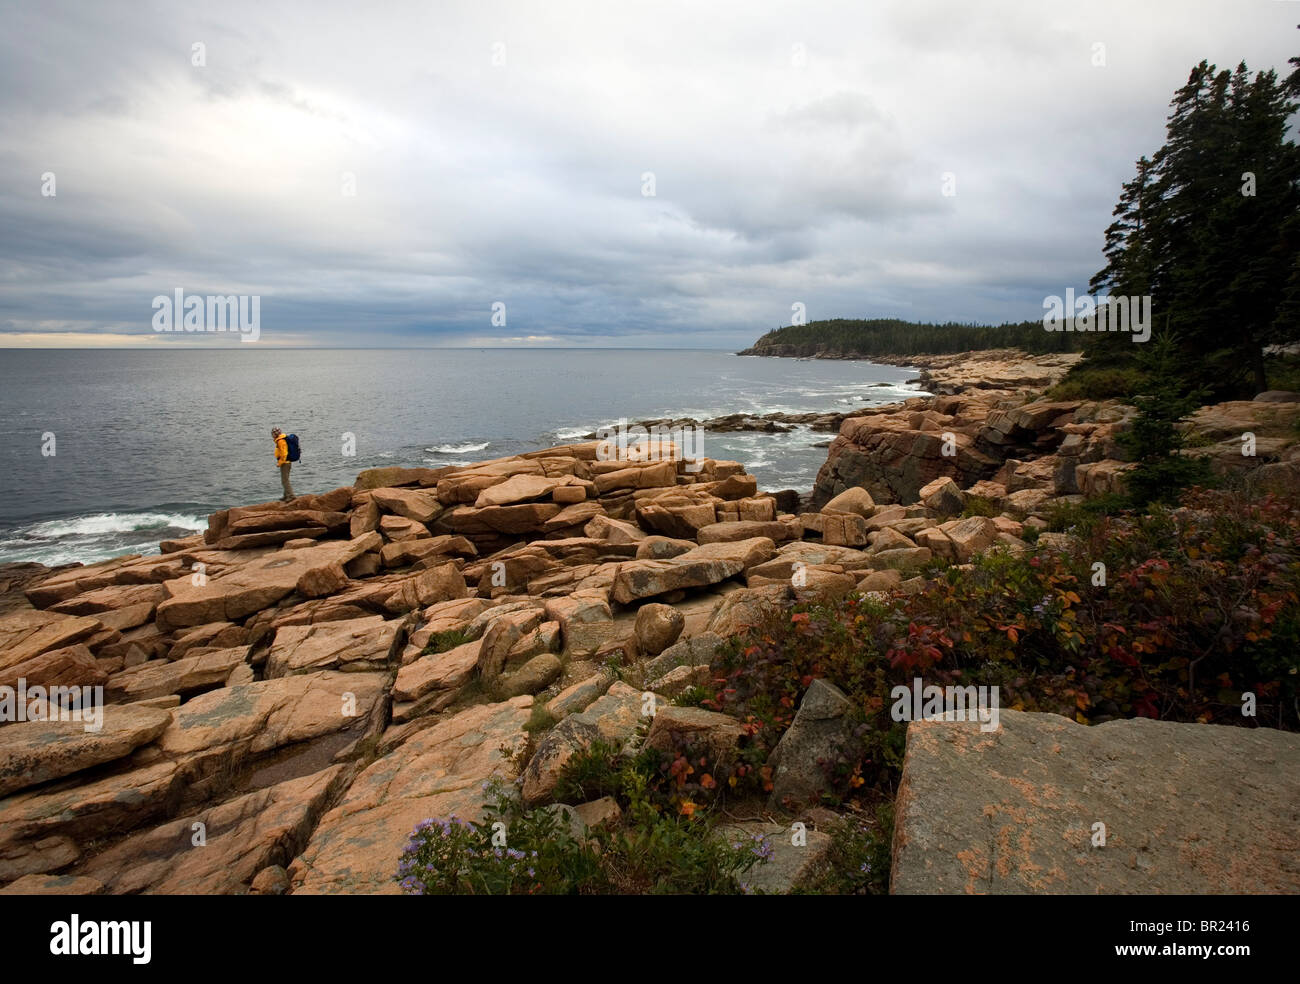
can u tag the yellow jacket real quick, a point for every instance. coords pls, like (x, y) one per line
(281, 450)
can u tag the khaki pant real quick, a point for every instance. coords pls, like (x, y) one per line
(284, 480)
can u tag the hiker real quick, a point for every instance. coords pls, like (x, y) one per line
(283, 461)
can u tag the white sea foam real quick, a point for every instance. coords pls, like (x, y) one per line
(105, 523)
(94, 537)
(458, 448)
(571, 433)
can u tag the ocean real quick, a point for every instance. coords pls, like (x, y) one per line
(147, 443)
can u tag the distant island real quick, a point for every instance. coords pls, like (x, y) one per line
(856, 338)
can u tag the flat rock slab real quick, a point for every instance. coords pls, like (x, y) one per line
(696, 568)
(239, 838)
(359, 643)
(157, 678)
(1188, 808)
(226, 726)
(24, 635)
(439, 772)
(791, 858)
(437, 671)
(33, 752)
(73, 812)
(254, 584)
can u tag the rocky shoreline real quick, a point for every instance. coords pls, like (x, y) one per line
(309, 680)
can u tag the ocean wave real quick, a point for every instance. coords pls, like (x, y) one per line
(458, 448)
(101, 524)
(570, 433)
(95, 537)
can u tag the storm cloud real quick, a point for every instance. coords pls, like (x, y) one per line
(504, 153)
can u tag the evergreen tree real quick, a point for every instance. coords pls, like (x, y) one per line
(1153, 439)
(1210, 228)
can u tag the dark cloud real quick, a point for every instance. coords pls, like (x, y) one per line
(500, 151)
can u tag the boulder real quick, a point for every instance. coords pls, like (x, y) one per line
(856, 500)
(611, 719)
(71, 666)
(730, 532)
(843, 529)
(185, 676)
(970, 536)
(789, 863)
(535, 675)
(706, 733)
(26, 634)
(437, 671)
(399, 529)
(943, 496)
(657, 628)
(420, 507)
(520, 488)
(663, 547)
(578, 696)
(742, 610)
(614, 530)
(822, 729)
(354, 644)
(698, 650)
(499, 639)
(908, 560)
(376, 478)
(702, 566)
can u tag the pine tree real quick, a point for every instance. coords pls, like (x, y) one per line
(1210, 228)
(1153, 439)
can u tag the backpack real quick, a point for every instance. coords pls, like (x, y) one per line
(291, 442)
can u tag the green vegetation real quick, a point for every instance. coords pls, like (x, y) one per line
(858, 860)
(441, 642)
(1183, 614)
(651, 851)
(890, 336)
(1086, 382)
(1191, 609)
(1153, 440)
(1209, 227)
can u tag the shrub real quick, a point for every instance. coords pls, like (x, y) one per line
(858, 861)
(457, 857)
(441, 642)
(977, 505)
(1086, 382)
(1198, 607)
(650, 852)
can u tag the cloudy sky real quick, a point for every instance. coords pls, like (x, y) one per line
(666, 174)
